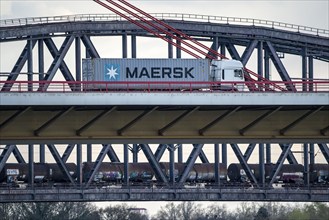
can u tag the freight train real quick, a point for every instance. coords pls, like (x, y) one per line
(171, 74)
(111, 173)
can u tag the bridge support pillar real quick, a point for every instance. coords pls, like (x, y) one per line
(89, 153)
(171, 149)
(180, 153)
(217, 165)
(41, 63)
(42, 153)
(224, 155)
(267, 64)
(260, 59)
(312, 156)
(125, 165)
(79, 164)
(306, 167)
(77, 62)
(30, 64)
(304, 68)
(170, 49)
(31, 165)
(261, 179)
(135, 150)
(124, 46)
(268, 153)
(223, 49)
(133, 46)
(310, 72)
(178, 50)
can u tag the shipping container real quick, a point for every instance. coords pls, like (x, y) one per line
(148, 73)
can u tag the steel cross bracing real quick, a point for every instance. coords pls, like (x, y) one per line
(166, 180)
(212, 55)
(271, 48)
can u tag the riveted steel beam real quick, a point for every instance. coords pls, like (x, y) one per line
(300, 119)
(97, 164)
(217, 164)
(178, 119)
(233, 52)
(94, 120)
(111, 153)
(60, 162)
(125, 164)
(244, 164)
(90, 48)
(67, 152)
(31, 176)
(203, 157)
(17, 154)
(171, 149)
(55, 53)
(214, 122)
(279, 163)
(154, 163)
(135, 149)
(133, 46)
(290, 157)
(58, 60)
(51, 121)
(13, 117)
(5, 155)
(248, 51)
(261, 178)
(134, 121)
(249, 151)
(259, 119)
(214, 46)
(160, 151)
(18, 66)
(190, 162)
(323, 131)
(180, 153)
(325, 151)
(279, 66)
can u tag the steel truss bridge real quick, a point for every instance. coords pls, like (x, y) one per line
(40, 113)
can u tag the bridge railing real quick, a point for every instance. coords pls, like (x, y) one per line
(167, 16)
(148, 87)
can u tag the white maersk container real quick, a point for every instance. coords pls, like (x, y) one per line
(162, 73)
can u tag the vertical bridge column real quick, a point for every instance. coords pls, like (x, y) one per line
(124, 46)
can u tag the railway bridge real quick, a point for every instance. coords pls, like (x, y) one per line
(65, 122)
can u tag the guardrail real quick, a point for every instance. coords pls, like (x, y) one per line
(148, 87)
(165, 16)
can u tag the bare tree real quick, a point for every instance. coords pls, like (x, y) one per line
(121, 212)
(168, 212)
(49, 211)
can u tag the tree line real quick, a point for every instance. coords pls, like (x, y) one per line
(170, 211)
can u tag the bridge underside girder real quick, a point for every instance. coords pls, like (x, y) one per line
(153, 194)
(82, 124)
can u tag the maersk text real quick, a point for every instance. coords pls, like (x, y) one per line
(160, 72)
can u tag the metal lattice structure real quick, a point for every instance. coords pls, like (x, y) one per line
(169, 121)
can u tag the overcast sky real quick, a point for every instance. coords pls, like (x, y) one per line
(312, 13)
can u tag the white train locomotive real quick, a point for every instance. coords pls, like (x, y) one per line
(171, 74)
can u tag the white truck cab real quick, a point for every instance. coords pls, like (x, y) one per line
(227, 71)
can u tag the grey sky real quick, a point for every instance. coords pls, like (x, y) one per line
(314, 13)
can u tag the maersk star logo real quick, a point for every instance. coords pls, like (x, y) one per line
(112, 72)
